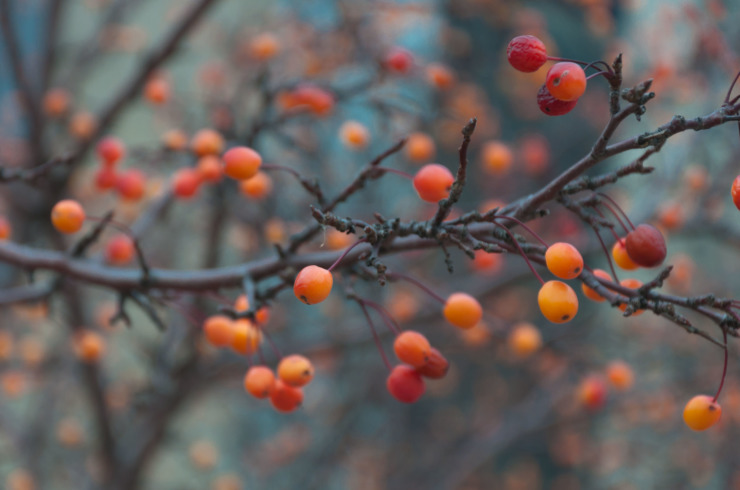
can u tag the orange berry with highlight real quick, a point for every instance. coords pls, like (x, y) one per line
(89, 346)
(259, 381)
(566, 81)
(56, 102)
(285, 398)
(621, 257)
(313, 284)
(110, 150)
(185, 183)
(405, 384)
(246, 338)
(354, 135)
(412, 348)
(701, 412)
(420, 148)
(592, 294)
(433, 182)
(620, 375)
(219, 330)
(257, 187)
(496, 157)
(295, 370)
(564, 260)
(241, 163)
(462, 310)
(67, 216)
(558, 302)
(120, 249)
(632, 284)
(209, 169)
(207, 142)
(131, 184)
(524, 340)
(436, 366)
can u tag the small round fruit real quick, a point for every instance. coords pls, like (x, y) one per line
(313, 284)
(592, 392)
(405, 384)
(120, 249)
(701, 412)
(295, 370)
(5, 228)
(526, 53)
(185, 183)
(412, 348)
(264, 46)
(496, 157)
(463, 310)
(621, 257)
(56, 102)
(110, 150)
(420, 148)
(207, 142)
(131, 184)
(436, 366)
(592, 294)
(157, 90)
(566, 81)
(219, 330)
(241, 163)
(209, 169)
(89, 346)
(551, 106)
(558, 302)
(257, 187)
(564, 260)
(433, 182)
(632, 284)
(398, 60)
(67, 216)
(246, 338)
(524, 340)
(440, 76)
(259, 381)
(646, 246)
(285, 398)
(735, 191)
(105, 178)
(354, 135)
(620, 375)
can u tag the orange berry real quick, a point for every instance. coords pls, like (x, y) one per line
(246, 338)
(219, 330)
(13, 383)
(207, 142)
(259, 381)
(20, 479)
(632, 284)
(405, 384)
(56, 102)
(433, 182)
(209, 168)
(420, 148)
(564, 260)
(264, 46)
(440, 76)
(131, 184)
(175, 140)
(496, 157)
(241, 163)
(566, 81)
(524, 340)
(110, 150)
(558, 302)
(82, 125)
(67, 216)
(262, 316)
(308, 97)
(621, 257)
(436, 366)
(592, 392)
(5, 229)
(313, 284)
(203, 454)
(106, 178)
(157, 90)
(241, 303)
(185, 183)
(337, 240)
(620, 375)
(701, 412)
(257, 187)
(354, 135)
(488, 263)
(295, 370)
(462, 310)
(696, 178)
(592, 294)
(285, 398)
(412, 348)
(89, 346)
(120, 249)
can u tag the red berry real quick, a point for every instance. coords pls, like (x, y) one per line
(185, 183)
(433, 182)
(131, 184)
(646, 246)
(552, 106)
(398, 60)
(436, 366)
(105, 178)
(110, 150)
(285, 398)
(405, 384)
(735, 191)
(566, 81)
(526, 53)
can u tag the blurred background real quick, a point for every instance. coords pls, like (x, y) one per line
(593, 404)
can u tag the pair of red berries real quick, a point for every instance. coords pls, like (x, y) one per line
(564, 84)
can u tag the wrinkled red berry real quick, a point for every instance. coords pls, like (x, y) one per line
(646, 246)
(552, 106)
(526, 53)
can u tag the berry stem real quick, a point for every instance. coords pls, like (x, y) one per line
(348, 250)
(521, 252)
(585, 65)
(387, 318)
(724, 369)
(598, 73)
(608, 198)
(396, 171)
(608, 255)
(417, 283)
(732, 86)
(614, 233)
(520, 223)
(375, 334)
(282, 168)
(272, 344)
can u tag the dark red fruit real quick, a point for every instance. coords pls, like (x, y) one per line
(436, 366)
(399, 60)
(646, 246)
(526, 53)
(552, 106)
(405, 384)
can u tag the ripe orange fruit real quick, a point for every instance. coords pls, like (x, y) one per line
(558, 302)
(241, 163)
(89, 346)
(524, 339)
(420, 148)
(564, 260)
(462, 310)
(412, 348)
(295, 370)
(207, 142)
(313, 284)
(285, 398)
(67, 216)
(257, 187)
(592, 294)
(259, 381)
(701, 412)
(219, 330)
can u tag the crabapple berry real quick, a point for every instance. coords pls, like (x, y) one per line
(285, 398)
(701, 412)
(264, 46)
(131, 184)
(552, 106)
(526, 53)
(524, 340)
(219, 330)
(119, 250)
(592, 294)
(257, 187)
(566, 81)
(259, 381)
(207, 142)
(313, 284)
(592, 392)
(632, 284)
(398, 60)
(175, 140)
(56, 102)
(105, 178)
(412, 348)
(246, 338)
(462, 310)
(436, 366)
(405, 384)
(496, 157)
(646, 246)
(564, 260)
(354, 135)
(157, 90)
(5, 229)
(89, 346)
(185, 183)
(295, 370)
(620, 375)
(433, 182)
(621, 257)
(558, 302)
(209, 168)
(440, 76)
(110, 150)
(82, 125)
(420, 148)
(67, 216)
(735, 191)
(241, 163)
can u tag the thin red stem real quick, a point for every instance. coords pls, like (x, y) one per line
(616, 205)
(732, 86)
(523, 225)
(272, 344)
(375, 334)
(387, 318)
(608, 255)
(397, 172)
(416, 283)
(521, 252)
(614, 233)
(724, 369)
(348, 250)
